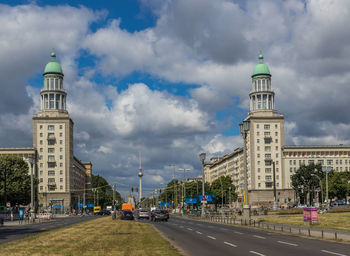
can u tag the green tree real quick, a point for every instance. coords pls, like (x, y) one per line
(221, 187)
(339, 184)
(105, 192)
(14, 173)
(304, 181)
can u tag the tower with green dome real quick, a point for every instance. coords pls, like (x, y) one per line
(53, 96)
(262, 96)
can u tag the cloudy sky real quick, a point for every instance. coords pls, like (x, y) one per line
(171, 78)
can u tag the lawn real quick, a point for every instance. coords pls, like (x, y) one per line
(101, 236)
(340, 221)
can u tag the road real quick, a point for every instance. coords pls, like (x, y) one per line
(202, 238)
(10, 233)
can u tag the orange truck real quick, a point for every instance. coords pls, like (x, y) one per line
(127, 206)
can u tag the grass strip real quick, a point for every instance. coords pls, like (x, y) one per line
(101, 236)
(339, 221)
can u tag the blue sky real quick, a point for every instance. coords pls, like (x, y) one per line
(172, 78)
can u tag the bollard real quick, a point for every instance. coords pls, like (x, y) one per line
(322, 233)
(308, 230)
(282, 228)
(335, 235)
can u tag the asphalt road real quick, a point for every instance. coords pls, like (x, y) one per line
(11, 233)
(202, 238)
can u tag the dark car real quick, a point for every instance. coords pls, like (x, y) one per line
(160, 215)
(104, 212)
(127, 215)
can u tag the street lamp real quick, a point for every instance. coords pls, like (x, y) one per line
(184, 189)
(175, 194)
(244, 128)
(202, 158)
(222, 193)
(326, 169)
(31, 161)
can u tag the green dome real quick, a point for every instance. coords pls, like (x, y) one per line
(261, 68)
(53, 66)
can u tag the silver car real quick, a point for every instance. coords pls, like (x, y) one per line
(143, 214)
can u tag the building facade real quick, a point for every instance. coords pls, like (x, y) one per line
(266, 148)
(63, 179)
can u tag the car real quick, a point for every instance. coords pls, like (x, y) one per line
(127, 215)
(159, 215)
(104, 212)
(143, 214)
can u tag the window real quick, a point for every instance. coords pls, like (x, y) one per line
(277, 177)
(276, 140)
(41, 142)
(258, 169)
(41, 150)
(276, 133)
(61, 142)
(61, 187)
(51, 142)
(268, 163)
(267, 170)
(276, 162)
(276, 154)
(51, 127)
(61, 134)
(340, 162)
(41, 179)
(41, 165)
(295, 162)
(257, 141)
(257, 126)
(51, 150)
(61, 165)
(259, 185)
(268, 177)
(61, 179)
(41, 187)
(277, 169)
(61, 157)
(257, 133)
(329, 161)
(51, 158)
(51, 165)
(267, 155)
(51, 180)
(41, 172)
(258, 162)
(266, 126)
(51, 135)
(61, 126)
(258, 177)
(40, 157)
(61, 171)
(61, 149)
(41, 134)
(291, 169)
(276, 126)
(51, 173)
(336, 161)
(290, 162)
(257, 148)
(276, 147)
(266, 133)
(41, 127)
(268, 148)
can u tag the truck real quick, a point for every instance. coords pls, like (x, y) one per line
(127, 206)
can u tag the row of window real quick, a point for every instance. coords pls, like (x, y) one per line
(50, 150)
(266, 134)
(50, 165)
(51, 142)
(50, 158)
(51, 127)
(262, 85)
(53, 84)
(51, 180)
(317, 154)
(51, 189)
(269, 185)
(266, 155)
(268, 170)
(267, 141)
(267, 148)
(50, 135)
(50, 172)
(266, 126)
(269, 177)
(336, 168)
(320, 161)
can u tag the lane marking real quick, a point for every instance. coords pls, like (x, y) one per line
(233, 245)
(199, 232)
(239, 233)
(334, 253)
(261, 237)
(211, 237)
(257, 253)
(281, 242)
(189, 228)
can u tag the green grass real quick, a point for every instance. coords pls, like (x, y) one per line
(340, 221)
(101, 236)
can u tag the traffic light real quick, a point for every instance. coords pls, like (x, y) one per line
(132, 189)
(160, 191)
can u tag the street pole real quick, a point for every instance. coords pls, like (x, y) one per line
(98, 203)
(274, 187)
(113, 205)
(222, 194)
(229, 196)
(202, 159)
(326, 169)
(140, 174)
(244, 128)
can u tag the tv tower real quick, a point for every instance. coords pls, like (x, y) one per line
(140, 176)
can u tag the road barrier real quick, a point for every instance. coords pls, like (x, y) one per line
(304, 231)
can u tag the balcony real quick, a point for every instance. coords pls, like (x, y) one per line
(51, 184)
(268, 159)
(51, 160)
(51, 136)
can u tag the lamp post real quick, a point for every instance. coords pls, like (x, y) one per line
(222, 194)
(140, 174)
(31, 162)
(229, 196)
(326, 169)
(202, 158)
(184, 189)
(244, 128)
(175, 196)
(314, 175)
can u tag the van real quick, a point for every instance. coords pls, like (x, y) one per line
(127, 206)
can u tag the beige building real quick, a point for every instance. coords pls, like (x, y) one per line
(63, 179)
(265, 148)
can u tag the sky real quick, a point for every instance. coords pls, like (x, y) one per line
(171, 79)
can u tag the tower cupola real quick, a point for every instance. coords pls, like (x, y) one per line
(262, 97)
(53, 96)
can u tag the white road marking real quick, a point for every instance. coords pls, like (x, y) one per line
(198, 232)
(189, 228)
(261, 237)
(257, 253)
(233, 245)
(211, 237)
(334, 253)
(281, 242)
(239, 233)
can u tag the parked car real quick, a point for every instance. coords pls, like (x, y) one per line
(104, 212)
(143, 214)
(337, 203)
(127, 215)
(159, 215)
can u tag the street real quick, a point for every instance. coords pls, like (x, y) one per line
(202, 238)
(10, 233)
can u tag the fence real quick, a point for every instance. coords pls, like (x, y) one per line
(306, 231)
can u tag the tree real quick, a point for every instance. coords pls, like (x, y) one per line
(105, 192)
(14, 180)
(304, 181)
(339, 185)
(221, 187)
